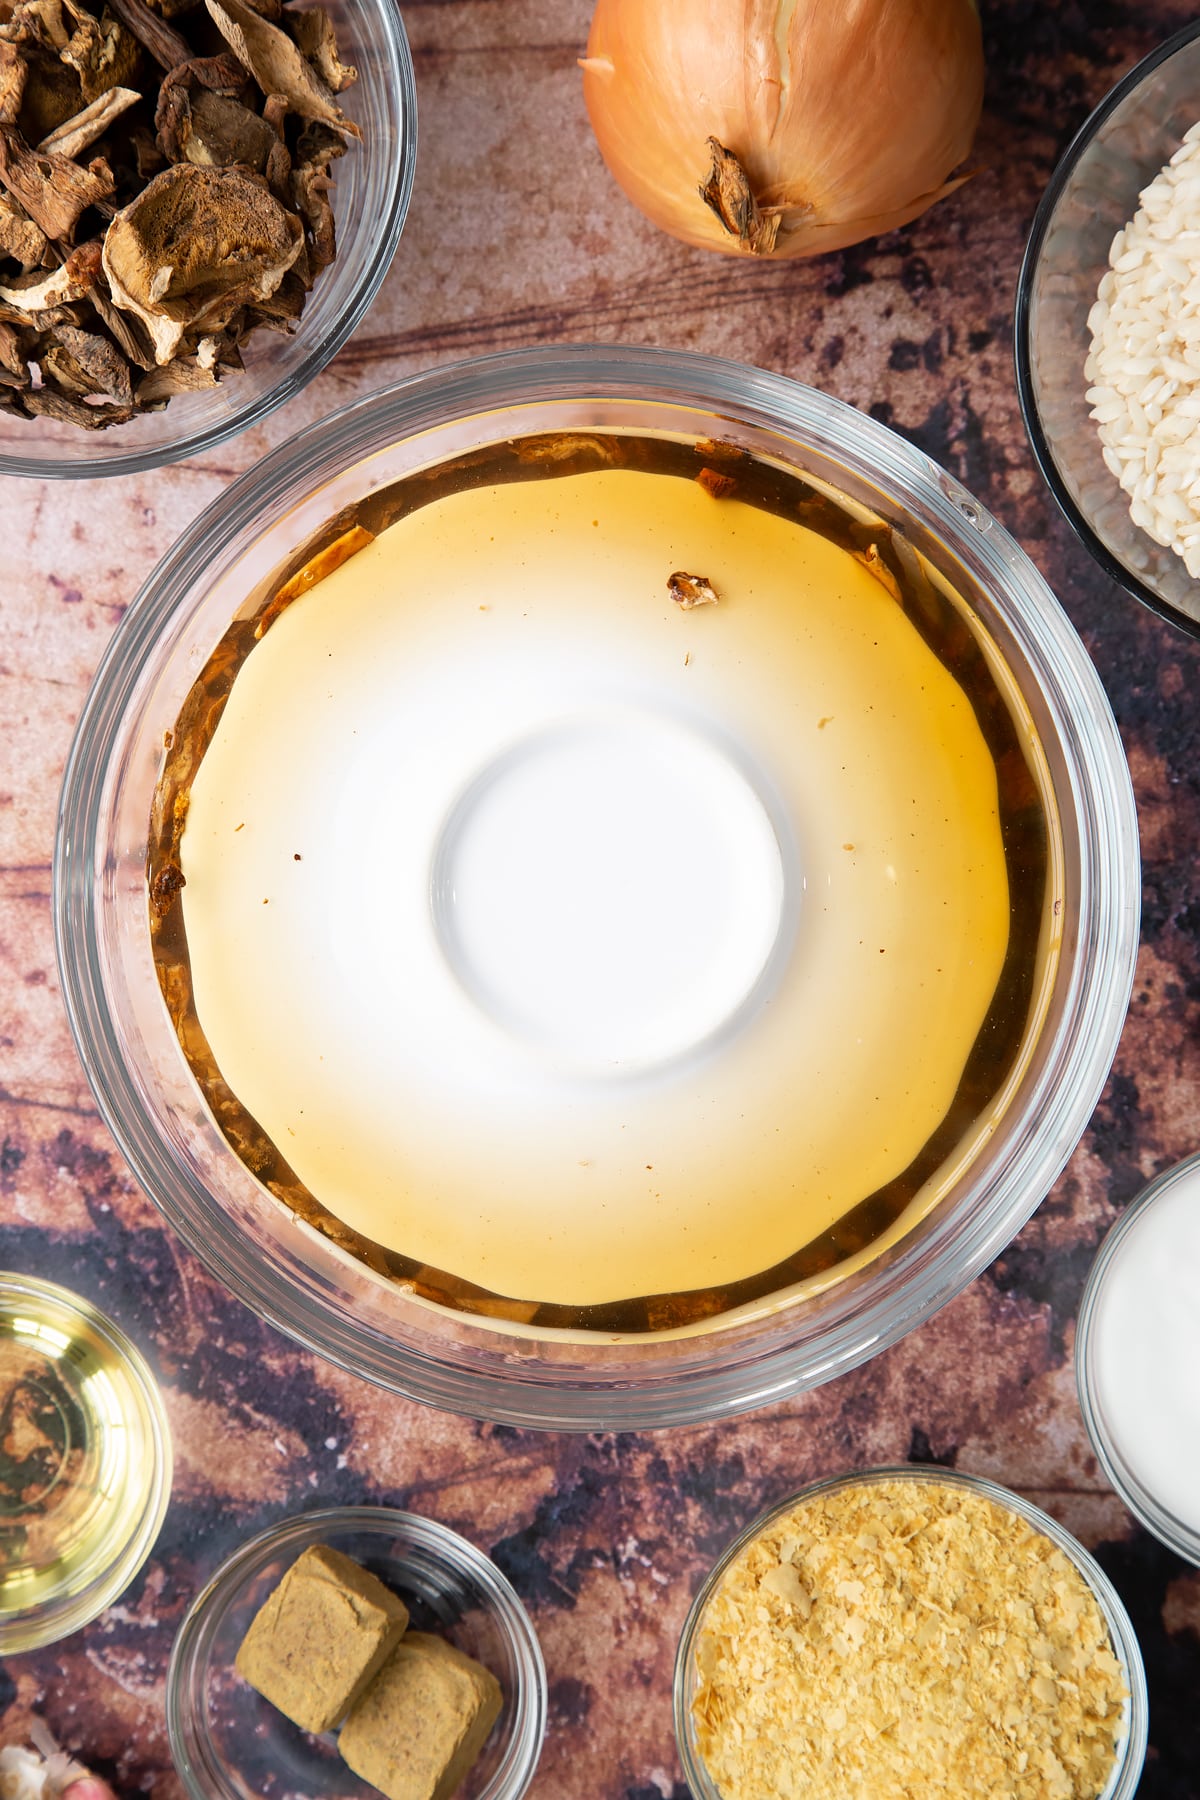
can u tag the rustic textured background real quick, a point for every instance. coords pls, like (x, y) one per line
(516, 236)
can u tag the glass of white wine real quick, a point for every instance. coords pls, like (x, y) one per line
(85, 1462)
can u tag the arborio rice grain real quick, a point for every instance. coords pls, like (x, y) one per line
(1144, 366)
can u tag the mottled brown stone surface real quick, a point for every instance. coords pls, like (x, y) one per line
(517, 237)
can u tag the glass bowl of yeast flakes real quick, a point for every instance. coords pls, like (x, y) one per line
(909, 1631)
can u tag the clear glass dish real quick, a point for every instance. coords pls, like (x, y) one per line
(372, 186)
(229, 1743)
(86, 1466)
(1144, 1505)
(298, 1279)
(1093, 192)
(1131, 1750)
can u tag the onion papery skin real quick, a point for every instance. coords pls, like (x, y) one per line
(848, 116)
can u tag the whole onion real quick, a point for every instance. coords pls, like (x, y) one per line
(783, 127)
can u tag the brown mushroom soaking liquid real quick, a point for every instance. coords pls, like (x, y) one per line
(605, 882)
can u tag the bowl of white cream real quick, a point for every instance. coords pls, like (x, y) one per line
(1137, 1355)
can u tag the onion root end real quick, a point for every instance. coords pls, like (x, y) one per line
(727, 193)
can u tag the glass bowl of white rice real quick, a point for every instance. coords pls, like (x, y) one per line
(1108, 332)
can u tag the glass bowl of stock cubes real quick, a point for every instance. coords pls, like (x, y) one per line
(1147, 343)
(373, 1615)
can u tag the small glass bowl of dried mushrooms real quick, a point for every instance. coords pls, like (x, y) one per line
(910, 1630)
(198, 202)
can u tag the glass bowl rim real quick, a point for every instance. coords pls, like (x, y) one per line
(1022, 340)
(193, 1641)
(1101, 797)
(61, 1614)
(50, 465)
(1131, 1751)
(1183, 1539)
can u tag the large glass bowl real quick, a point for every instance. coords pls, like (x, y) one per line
(1094, 191)
(296, 1278)
(372, 186)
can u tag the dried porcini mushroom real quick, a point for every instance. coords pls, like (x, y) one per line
(14, 356)
(309, 186)
(314, 37)
(164, 191)
(14, 73)
(563, 445)
(53, 93)
(186, 375)
(212, 131)
(102, 52)
(165, 45)
(314, 570)
(74, 135)
(275, 62)
(20, 239)
(53, 190)
(195, 246)
(91, 364)
(50, 404)
(39, 293)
